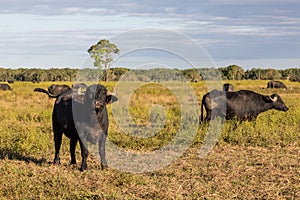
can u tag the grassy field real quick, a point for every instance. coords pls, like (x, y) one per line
(256, 161)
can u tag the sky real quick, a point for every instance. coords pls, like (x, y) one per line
(179, 33)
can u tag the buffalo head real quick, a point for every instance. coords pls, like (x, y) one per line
(96, 96)
(277, 102)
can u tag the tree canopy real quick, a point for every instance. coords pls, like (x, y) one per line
(227, 73)
(102, 53)
(232, 72)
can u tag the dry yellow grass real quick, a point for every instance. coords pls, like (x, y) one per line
(259, 161)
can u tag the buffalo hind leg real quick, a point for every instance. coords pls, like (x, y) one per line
(73, 143)
(207, 117)
(57, 140)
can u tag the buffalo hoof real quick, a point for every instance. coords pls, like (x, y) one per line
(56, 162)
(83, 168)
(73, 162)
(104, 166)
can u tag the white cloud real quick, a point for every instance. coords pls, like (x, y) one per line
(224, 27)
(92, 11)
(170, 9)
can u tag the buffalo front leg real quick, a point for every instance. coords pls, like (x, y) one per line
(84, 155)
(101, 145)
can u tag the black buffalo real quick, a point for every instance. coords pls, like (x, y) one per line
(227, 87)
(82, 120)
(5, 86)
(54, 90)
(243, 104)
(276, 84)
(58, 89)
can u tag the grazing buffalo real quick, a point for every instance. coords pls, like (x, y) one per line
(276, 84)
(243, 104)
(5, 86)
(84, 120)
(227, 87)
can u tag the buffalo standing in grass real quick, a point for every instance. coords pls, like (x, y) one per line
(82, 120)
(243, 104)
(5, 86)
(276, 84)
(58, 89)
(54, 90)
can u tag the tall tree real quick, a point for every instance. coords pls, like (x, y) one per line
(102, 53)
(233, 72)
(192, 75)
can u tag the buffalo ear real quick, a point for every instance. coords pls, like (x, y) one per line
(111, 99)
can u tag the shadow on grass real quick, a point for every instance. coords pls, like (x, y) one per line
(12, 155)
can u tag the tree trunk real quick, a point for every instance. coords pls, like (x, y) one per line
(106, 74)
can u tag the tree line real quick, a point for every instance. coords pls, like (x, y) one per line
(232, 72)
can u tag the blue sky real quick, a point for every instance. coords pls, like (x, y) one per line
(57, 33)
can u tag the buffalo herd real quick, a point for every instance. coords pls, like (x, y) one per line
(80, 113)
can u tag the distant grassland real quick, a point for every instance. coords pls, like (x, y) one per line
(258, 160)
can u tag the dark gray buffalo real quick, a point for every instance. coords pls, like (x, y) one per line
(276, 84)
(82, 120)
(243, 104)
(58, 89)
(54, 90)
(5, 86)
